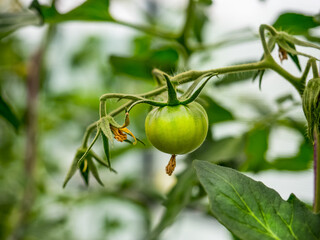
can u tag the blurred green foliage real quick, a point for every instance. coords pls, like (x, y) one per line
(63, 115)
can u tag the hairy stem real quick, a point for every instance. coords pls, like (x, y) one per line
(296, 82)
(316, 169)
(86, 136)
(314, 68)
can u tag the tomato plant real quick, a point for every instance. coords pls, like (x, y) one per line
(177, 129)
(178, 65)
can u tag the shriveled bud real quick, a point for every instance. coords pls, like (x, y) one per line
(311, 106)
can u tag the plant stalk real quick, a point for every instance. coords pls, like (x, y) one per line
(316, 169)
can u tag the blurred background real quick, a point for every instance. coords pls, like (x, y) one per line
(51, 78)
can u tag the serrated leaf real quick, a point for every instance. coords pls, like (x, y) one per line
(178, 198)
(7, 113)
(94, 170)
(252, 211)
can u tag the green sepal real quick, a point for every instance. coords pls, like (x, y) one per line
(172, 94)
(311, 106)
(94, 170)
(298, 42)
(260, 78)
(106, 149)
(294, 58)
(101, 161)
(104, 126)
(193, 86)
(287, 43)
(85, 174)
(196, 93)
(130, 142)
(89, 148)
(74, 166)
(113, 122)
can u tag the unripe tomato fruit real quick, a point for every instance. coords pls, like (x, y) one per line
(177, 129)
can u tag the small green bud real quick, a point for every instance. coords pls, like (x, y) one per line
(311, 106)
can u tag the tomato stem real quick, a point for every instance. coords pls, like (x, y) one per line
(316, 168)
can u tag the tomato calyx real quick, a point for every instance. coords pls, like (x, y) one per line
(111, 129)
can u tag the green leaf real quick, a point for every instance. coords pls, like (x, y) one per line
(284, 98)
(177, 199)
(10, 22)
(216, 112)
(199, 21)
(225, 149)
(301, 161)
(256, 146)
(252, 211)
(90, 10)
(141, 67)
(7, 113)
(94, 170)
(295, 23)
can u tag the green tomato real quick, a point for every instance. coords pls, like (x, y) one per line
(177, 129)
